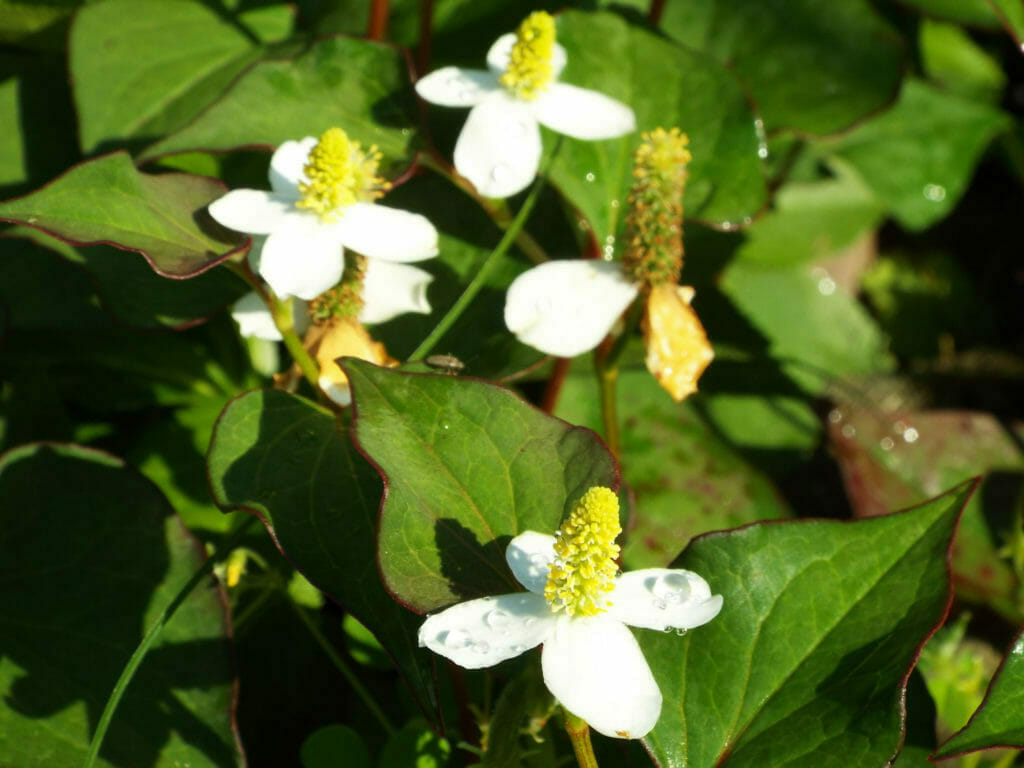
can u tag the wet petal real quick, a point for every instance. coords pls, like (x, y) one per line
(662, 598)
(286, 167)
(565, 308)
(583, 114)
(301, 258)
(380, 232)
(528, 555)
(594, 667)
(456, 87)
(480, 633)
(499, 147)
(391, 289)
(501, 50)
(251, 210)
(254, 319)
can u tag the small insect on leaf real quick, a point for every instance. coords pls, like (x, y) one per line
(445, 363)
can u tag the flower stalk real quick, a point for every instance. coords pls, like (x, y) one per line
(579, 735)
(281, 311)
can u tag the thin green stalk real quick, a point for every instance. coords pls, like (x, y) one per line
(481, 276)
(579, 735)
(150, 637)
(281, 311)
(606, 365)
(341, 666)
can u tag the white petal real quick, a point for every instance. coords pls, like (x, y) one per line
(499, 147)
(302, 258)
(660, 598)
(386, 233)
(391, 289)
(565, 308)
(480, 633)
(594, 667)
(528, 555)
(582, 113)
(251, 210)
(456, 87)
(286, 167)
(501, 50)
(254, 319)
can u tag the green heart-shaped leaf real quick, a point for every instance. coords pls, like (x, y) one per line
(999, 721)
(287, 461)
(90, 552)
(666, 85)
(807, 662)
(467, 466)
(360, 86)
(107, 200)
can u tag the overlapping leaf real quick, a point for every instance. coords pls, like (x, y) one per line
(807, 661)
(107, 200)
(286, 460)
(90, 553)
(467, 466)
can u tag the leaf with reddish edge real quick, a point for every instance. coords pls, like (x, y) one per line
(893, 459)
(287, 461)
(90, 554)
(467, 465)
(808, 661)
(107, 200)
(999, 721)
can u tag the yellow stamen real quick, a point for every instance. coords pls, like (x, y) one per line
(585, 553)
(340, 174)
(530, 71)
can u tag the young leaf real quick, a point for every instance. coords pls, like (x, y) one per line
(108, 201)
(466, 466)
(357, 85)
(286, 461)
(999, 721)
(90, 551)
(807, 663)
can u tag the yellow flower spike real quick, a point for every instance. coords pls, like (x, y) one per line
(678, 350)
(584, 568)
(530, 70)
(340, 174)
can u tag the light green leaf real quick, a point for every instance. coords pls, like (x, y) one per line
(999, 721)
(287, 461)
(813, 66)
(131, 82)
(107, 200)
(666, 85)
(467, 465)
(919, 156)
(986, 13)
(951, 58)
(357, 85)
(807, 662)
(90, 553)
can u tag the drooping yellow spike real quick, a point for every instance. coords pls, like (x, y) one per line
(678, 350)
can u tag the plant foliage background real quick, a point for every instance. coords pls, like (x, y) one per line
(853, 234)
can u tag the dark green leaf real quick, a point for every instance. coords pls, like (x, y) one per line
(287, 461)
(334, 746)
(807, 661)
(686, 480)
(811, 65)
(999, 721)
(666, 85)
(90, 552)
(467, 465)
(130, 83)
(360, 86)
(107, 200)
(919, 156)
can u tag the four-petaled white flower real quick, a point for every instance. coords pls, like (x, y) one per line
(499, 147)
(321, 202)
(579, 607)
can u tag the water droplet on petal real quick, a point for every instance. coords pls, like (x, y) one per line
(680, 631)
(661, 605)
(457, 639)
(500, 172)
(482, 647)
(517, 648)
(497, 619)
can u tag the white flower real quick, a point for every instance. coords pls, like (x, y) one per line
(255, 321)
(321, 201)
(499, 147)
(591, 662)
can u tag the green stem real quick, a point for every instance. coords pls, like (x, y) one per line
(460, 305)
(343, 668)
(281, 311)
(608, 378)
(579, 735)
(150, 637)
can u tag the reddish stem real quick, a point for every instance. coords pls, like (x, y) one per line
(654, 14)
(378, 26)
(554, 386)
(426, 28)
